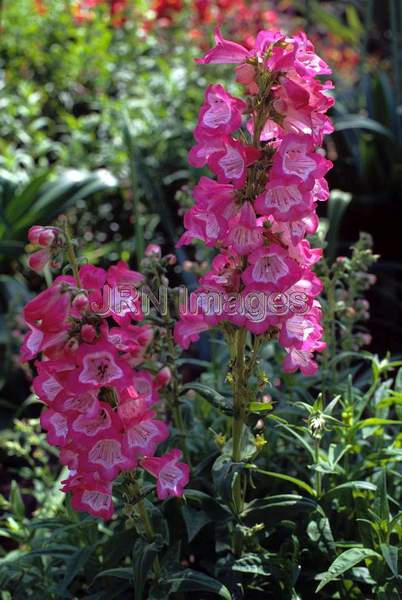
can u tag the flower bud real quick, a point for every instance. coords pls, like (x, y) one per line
(38, 260)
(46, 237)
(34, 233)
(163, 377)
(80, 302)
(245, 74)
(153, 250)
(88, 333)
(170, 259)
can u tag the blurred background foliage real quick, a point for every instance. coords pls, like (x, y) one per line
(98, 100)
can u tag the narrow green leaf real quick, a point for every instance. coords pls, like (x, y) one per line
(390, 554)
(298, 482)
(376, 421)
(344, 562)
(302, 441)
(120, 573)
(352, 485)
(16, 501)
(194, 581)
(223, 404)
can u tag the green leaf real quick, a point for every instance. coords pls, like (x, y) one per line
(224, 474)
(251, 563)
(302, 441)
(381, 505)
(286, 503)
(344, 562)
(223, 404)
(258, 407)
(390, 554)
(298, 482)
(120, 573)
(352, 485)
(74, 565)
(144, 555)
(194, 581)
(195, 520)
(376, 421)
(346, 122)
(319, 532)
(16, 501)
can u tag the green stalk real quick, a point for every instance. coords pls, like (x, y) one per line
(239, 416)
(146, 522)
(72, 259)
(318, 475)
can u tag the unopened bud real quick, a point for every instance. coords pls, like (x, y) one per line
(88, 333)
(153, 250)
(38, 260)
(80, 302)
(163, 377)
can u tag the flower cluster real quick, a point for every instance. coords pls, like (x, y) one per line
(89, 348)
(258, 210)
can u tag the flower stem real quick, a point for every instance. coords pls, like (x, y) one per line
(318, 475)
(71, 254)
(239, 409)
(147, 524)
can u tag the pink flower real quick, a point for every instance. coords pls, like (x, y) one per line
(296, 156)
(106, 456)
(225, 52)
(230, 163)
(205, 147)
(271, 269)
(220, 114)
(189, 328)
(144, 435)
(172, 475)
(99, 365)
(299, 359)
(244, 234)
(56, 425)
(284, 200)
(90, 494)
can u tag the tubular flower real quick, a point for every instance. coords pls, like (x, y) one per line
(270, 175)
(88, 350)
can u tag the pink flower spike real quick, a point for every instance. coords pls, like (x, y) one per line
(224, 53)
(172, 475)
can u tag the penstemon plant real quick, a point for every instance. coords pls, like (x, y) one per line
(90, 354)
(257, 212)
